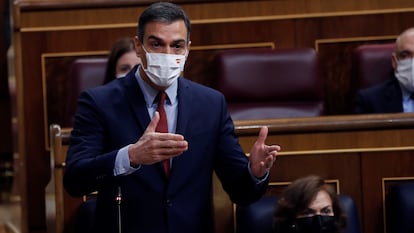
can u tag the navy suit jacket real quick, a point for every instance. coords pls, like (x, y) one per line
(385, 97)
(112, 116)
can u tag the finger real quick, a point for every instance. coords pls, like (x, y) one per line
(177, 142)
(170, 137)
(269, 161)
(274, 148)
(166, 153)
(170, 152)
(266, 165)
(262, 135)
(153, 124)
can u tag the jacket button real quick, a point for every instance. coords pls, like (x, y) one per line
(168, 203)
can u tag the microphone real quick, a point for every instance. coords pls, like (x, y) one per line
(118, 200)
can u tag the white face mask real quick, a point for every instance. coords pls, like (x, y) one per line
(121, 75)
(163, 69)
(405, 73)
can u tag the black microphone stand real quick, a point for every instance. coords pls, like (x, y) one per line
(118, 200)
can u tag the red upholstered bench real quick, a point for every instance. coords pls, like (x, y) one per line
(270, 83)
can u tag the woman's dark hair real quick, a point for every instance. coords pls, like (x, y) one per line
(162, 12)
(298, 196)
(119, 48)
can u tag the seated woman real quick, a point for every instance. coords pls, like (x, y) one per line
(121, 59)
(309, 205)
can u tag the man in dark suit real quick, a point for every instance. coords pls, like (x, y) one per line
(393, 95)
(118, 150)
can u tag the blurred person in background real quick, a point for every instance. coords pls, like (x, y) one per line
(121, 59)
(395, 94)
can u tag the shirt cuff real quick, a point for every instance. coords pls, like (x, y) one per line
(122, 164)
(257, 180)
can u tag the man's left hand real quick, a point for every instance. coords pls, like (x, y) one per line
(262, 156)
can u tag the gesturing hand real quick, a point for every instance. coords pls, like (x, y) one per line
(262, 156)
(154, 147)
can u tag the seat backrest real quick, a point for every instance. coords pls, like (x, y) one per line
(400, 208)
(270, 83)
(66, 206)
(371, 64)
(84, 73)
(71, 214)
(258, 217)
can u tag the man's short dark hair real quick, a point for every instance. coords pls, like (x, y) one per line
(164, 12)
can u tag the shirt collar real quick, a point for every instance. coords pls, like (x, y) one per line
(151, 93)
(406, 95)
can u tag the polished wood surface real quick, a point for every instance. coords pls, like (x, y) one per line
(326, 134)
(125, 11)
(49, 34)
(66, 206)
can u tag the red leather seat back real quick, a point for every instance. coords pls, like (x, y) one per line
(84, 73)
(265, 83)
(371, 64)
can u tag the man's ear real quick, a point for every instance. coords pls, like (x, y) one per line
(394, 61)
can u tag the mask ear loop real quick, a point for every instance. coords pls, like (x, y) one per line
(147, 54)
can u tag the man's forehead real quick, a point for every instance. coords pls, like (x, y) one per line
(174, 32)
(178, 26)
(409, 36)
(406, 41)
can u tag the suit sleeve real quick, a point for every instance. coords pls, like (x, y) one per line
(86, 164)
(232, 165)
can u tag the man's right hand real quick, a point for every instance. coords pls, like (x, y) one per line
(154, 147)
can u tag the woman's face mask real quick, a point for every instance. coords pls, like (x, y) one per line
(405, 73)
(318, 217)
(316, 224)
(163, 69)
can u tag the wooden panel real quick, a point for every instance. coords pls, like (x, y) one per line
(333, 134)
(84, 13)
(65, 207)
(376, 167)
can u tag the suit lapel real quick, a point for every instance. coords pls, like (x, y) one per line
(183, 118)
(136, 101)
(184, 106)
